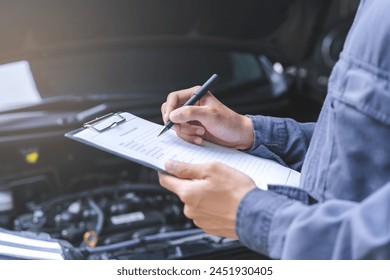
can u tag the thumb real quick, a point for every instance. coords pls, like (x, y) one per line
(190, 113)
(184, 170)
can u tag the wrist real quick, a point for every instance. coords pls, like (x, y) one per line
(247, 133)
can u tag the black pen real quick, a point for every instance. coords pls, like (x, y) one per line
(194, 98)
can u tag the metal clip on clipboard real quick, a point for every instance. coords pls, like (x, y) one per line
(105, 122)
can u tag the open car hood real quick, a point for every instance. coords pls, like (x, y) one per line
(28, 27)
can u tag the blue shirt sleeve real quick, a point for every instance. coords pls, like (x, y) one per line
(283, 140)
(336, 229)
(347, 165)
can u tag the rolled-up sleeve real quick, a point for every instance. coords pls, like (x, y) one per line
(283, 140)
(336, 229)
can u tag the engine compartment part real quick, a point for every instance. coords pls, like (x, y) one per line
(121, 221)
(6, 201)
(109, 214)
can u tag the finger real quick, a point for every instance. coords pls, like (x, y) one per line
(192, 113)
(197, 140)
(170, 182)
(163, 112)
(191, 129)
(177, 99)
(190, 133)
(186, 190)
(188, 211)
(185, 170)
(180, 97)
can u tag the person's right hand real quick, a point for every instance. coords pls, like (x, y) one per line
(208, 120)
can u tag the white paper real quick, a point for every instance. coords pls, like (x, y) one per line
(17, 85)
(137, 139)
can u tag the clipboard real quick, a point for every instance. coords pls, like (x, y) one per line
(136, 139)
(103, 124)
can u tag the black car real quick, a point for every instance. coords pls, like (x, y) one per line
(63, 200)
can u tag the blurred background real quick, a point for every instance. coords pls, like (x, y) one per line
(63, 63)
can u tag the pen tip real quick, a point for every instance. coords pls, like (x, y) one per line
(163, 130)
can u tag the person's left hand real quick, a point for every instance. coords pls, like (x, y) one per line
(211, 193)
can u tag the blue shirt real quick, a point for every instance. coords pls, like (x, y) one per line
(342, 208)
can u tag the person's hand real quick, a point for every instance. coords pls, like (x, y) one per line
(211, 193)
(208, 120)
